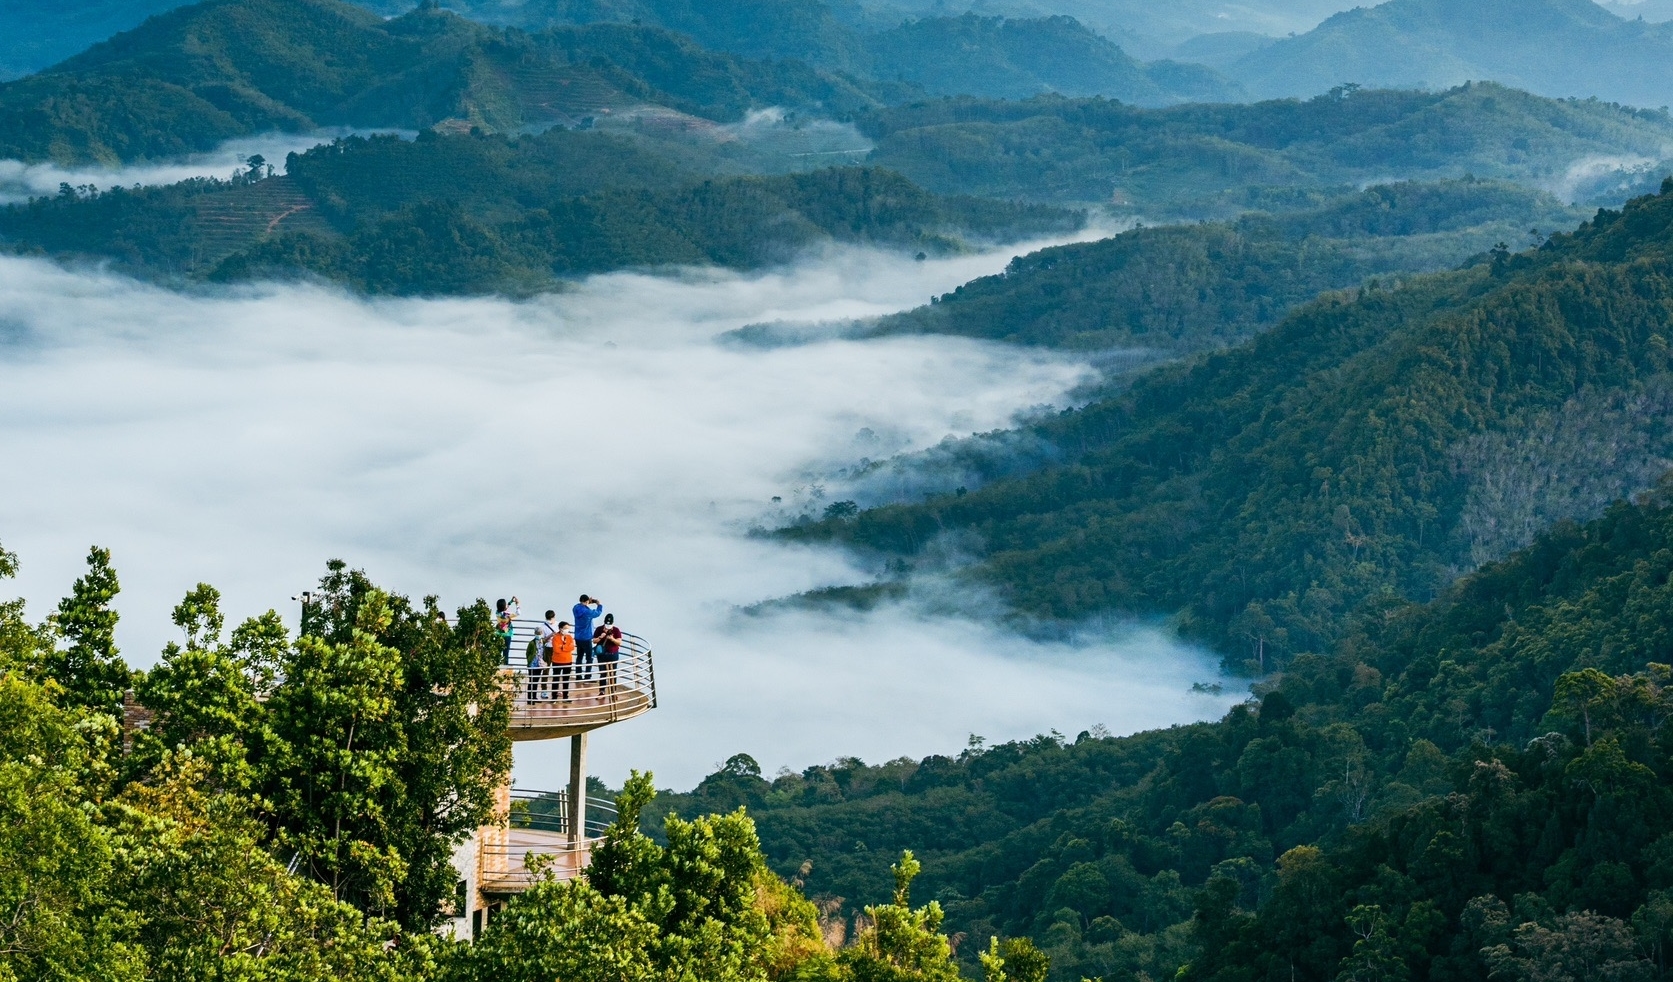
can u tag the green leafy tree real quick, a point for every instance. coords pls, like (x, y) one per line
(899, 943)
(565, 930)
(204, 697)
(55, 861)
(89, 667)
(386, 740)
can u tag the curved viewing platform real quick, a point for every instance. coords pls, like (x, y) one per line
(537, 841)
(549, 702)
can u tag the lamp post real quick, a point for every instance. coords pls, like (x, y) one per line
(307, 598)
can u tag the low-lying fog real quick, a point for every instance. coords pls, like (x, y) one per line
(597, 441)
(20, 181)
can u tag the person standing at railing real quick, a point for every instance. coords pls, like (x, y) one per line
(504, 614)
(585, 612)
(563, 658)
(609, 651)
(545, 632)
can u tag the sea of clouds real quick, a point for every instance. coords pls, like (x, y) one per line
(599, 440)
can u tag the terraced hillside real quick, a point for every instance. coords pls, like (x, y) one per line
(242, 216)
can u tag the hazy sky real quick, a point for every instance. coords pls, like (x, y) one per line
(597, 441)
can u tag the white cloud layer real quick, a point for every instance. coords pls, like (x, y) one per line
(596, 441)
(20, 181)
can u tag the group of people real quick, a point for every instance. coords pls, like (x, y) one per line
(562, 652)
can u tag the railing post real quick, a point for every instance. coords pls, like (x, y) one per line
(577, 792)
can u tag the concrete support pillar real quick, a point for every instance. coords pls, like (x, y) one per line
(577, 788)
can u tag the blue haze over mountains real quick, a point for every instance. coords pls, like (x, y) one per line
(1146, 54)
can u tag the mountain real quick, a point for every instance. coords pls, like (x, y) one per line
(925, 47)
(1373, 445)
(1558, 48)
(478, 213)
(1172, 290)
(1200, 160)
(1479, 784)
(1001, 58)
(191, 78)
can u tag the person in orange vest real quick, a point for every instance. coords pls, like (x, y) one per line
(563, 658)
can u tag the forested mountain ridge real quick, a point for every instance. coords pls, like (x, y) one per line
(1550, 47)
(476, 213)
(1359, 450)
(191, 78)
(1181, 288)
(1197, 158)
(1019, 51)
(1471, 788)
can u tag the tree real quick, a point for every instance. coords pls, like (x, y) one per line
(899, 943)
(204, 698)
(1579, 947)
(565, 931)
(55, 861)
(209, 902)
(89, 668)
(389, 735)
(22, 646)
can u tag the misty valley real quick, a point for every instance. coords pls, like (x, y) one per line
(1057, 491)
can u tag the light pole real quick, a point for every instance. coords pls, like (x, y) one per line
(307, 598)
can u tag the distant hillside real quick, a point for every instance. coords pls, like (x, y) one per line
(196, 76)
(986, 56)
(476, 214)
(1373, 445)
(1216, 159)
(1175, 289)
(1455, 779)
(1549, 47)
(1015, 59)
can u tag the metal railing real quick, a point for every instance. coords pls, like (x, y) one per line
(548, 811)
(537, 841)
(582, 695)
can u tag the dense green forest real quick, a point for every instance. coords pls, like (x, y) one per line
(476, 213)
(289, 812)
(1181, 288)
(1263, 493)
(1202, 159)
(194, 77)
(1471, 788)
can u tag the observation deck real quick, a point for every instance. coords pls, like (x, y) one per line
(536, 841)
(539, 835)
(598, 693)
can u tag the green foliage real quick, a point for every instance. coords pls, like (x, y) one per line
(389, 735)
(89, 668)
(564, 930)
(54, 863)
(899, 943)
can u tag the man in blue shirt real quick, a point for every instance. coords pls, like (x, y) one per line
(585, 611)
